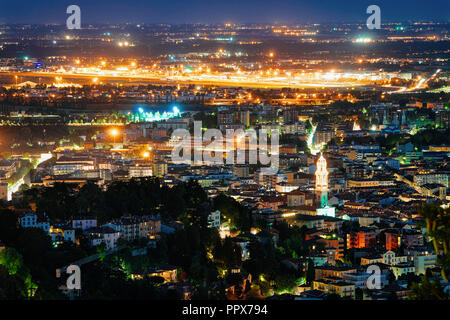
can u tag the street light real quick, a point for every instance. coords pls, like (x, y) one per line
(114, 132)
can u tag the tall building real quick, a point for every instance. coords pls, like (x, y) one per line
(392, 240)
(403, 118)
(385, 120)
(322, 188)
(364, 238)
(323, 136)
(244, 117)
(225, 117)
(321, 174)
(159, 169)
(290, 115)
(229, 119)
(241, 170)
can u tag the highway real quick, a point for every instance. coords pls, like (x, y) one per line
(203, 80)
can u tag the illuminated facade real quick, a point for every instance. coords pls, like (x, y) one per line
(322, 188)
(321, 174)
(143, 116)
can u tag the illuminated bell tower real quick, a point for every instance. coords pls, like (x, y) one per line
(322, 180)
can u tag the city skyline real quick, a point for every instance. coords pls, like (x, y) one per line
(249, 151)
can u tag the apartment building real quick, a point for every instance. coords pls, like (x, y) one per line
(341, 288)
(32, 220)
(84, 223)
(136, 227)
(106, 235)
(66, 165)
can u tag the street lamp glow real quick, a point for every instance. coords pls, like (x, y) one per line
(114, 132)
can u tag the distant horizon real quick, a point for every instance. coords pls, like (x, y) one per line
(234, 23)
(219, 12)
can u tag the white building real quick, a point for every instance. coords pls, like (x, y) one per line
(84, 223)
(105, 235)
(403, 268)
(66, 165)
(140, 171)
(60, 235)
(243, 244)
(136, 227)
(424, 261)
(388, 258)
(359, 278)
(214, 219)
(31, 220)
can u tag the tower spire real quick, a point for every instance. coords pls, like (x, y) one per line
(321, 174)
(322, 181)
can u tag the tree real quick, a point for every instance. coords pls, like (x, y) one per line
(20, 278)
(34, 244)
(437, 222)
(227, 253)
(10, 288)
(101, 251)
(427, 290)
(8, 226)
(262, 259)
(239, 216)
(285, 281)
(11, 260)
(310, 272)
(359, 294)
(57, 202)
(24, 187)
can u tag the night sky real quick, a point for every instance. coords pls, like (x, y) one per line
(220, 11)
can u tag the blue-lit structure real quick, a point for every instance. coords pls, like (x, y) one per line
(143, 116)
